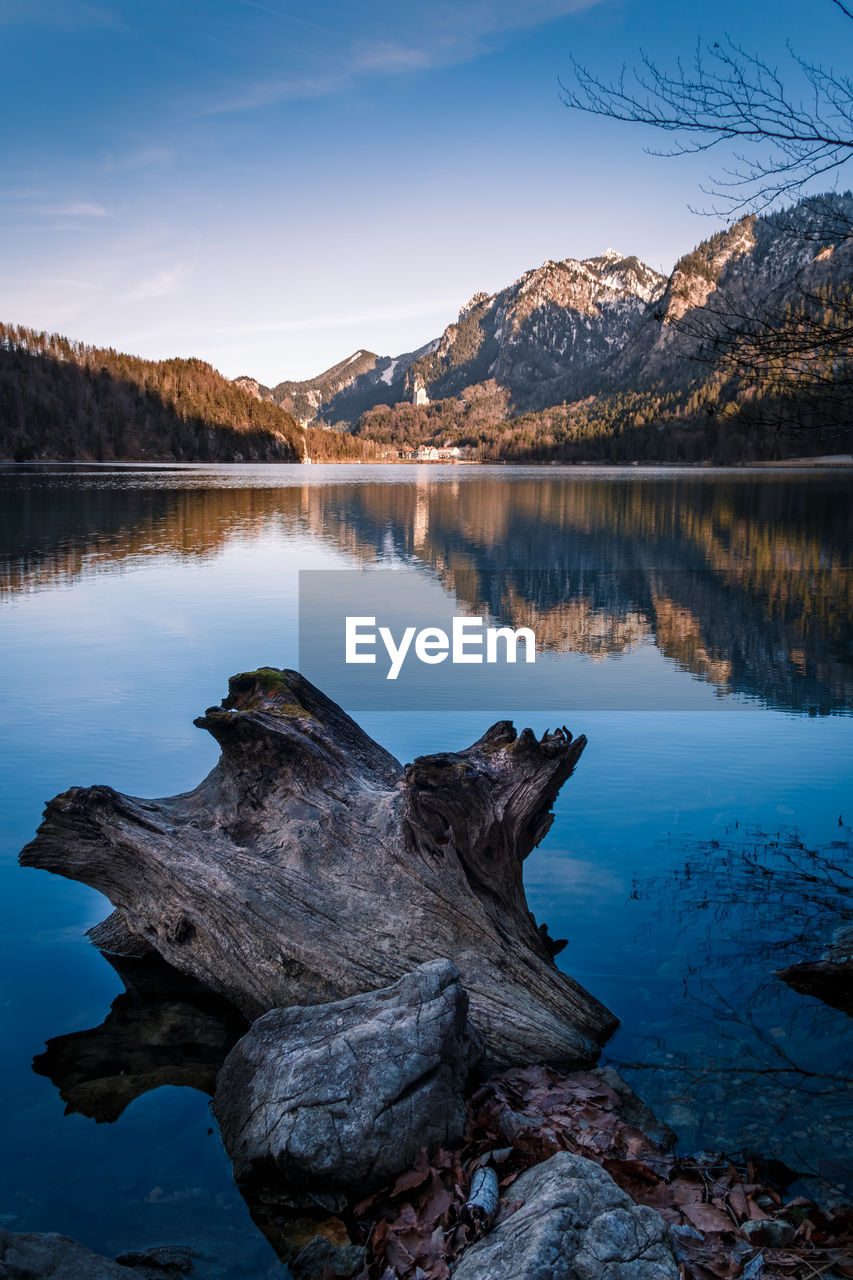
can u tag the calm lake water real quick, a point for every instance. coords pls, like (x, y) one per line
(695, 851)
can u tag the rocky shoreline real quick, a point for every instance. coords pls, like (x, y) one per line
(588, 1190)
(344, 951)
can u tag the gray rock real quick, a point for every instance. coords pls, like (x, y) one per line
(320, 1258)
(831, 977)
(774, 1233)
(35, 1255)
(345, 1094)
(574, 1223)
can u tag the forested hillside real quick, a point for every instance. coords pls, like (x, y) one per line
(63, 400)
(718, 420)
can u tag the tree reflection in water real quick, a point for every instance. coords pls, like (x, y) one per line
(741, 581)
(746, 906)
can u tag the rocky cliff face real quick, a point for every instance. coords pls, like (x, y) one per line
(544, 337)
(388, 381)
(571, 329)
(254, 388)
(740, 278)
(342, 393)
(541, 339)
(306, 400)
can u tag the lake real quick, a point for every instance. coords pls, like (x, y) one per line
(702, 844)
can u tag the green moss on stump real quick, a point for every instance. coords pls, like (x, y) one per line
(249, 689)
(268, 679)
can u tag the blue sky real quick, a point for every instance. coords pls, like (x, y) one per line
(271, 186)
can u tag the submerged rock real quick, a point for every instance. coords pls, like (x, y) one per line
(346, 1094)
(37, 1255)
(830, 978)
(173, 1260)
(573, 1223)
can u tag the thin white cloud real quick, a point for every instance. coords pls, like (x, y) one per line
(163, 283)
(264, 93)
(332, 321)
(388, 57)
(75, 209)
(289, 17)
(145, 157)
(448, 34)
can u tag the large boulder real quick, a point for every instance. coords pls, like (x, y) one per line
(345, 1094)
(573, 1223)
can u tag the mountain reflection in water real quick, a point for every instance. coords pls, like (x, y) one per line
(741, 581)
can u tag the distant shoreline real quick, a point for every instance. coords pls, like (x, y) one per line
(827, 462)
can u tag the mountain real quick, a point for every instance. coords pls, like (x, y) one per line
(743, 280)
(542, 339)
(305, 399)
(595, 358)
(745, 351)
(341, 394)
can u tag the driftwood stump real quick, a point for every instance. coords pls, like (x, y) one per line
(310, 865)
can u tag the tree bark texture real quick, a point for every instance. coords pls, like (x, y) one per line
(310, 866)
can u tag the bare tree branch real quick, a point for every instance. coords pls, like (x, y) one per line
(790, 352)
(730, 95)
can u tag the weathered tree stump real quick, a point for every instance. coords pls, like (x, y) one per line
(310, 865)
